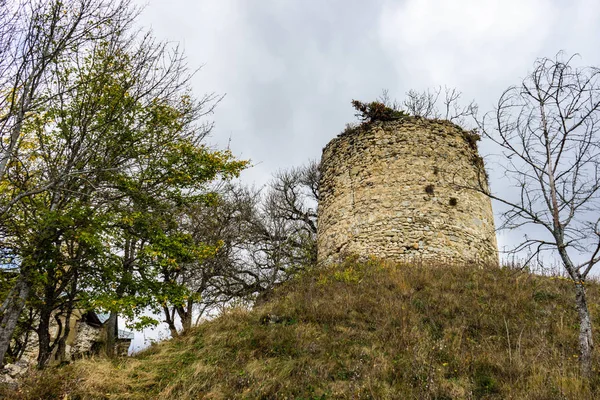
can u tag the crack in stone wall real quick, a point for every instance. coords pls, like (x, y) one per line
(399, 190)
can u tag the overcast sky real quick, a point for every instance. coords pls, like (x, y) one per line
(289, 69)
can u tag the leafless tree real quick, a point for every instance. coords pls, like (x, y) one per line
(440, 104)
(35, 35)
(263, 239)
(288, 223)
(422, 104)
(280, 235)
(294, 194)
(385, 99)
(548, 131)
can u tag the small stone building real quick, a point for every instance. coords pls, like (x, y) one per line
(405, 190)
(91, 334)
(87, 336)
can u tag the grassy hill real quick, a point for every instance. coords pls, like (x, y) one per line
(370, 330)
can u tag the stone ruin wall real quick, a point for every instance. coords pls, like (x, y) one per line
(391, 190)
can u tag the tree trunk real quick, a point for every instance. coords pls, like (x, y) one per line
(111, 334)
(12, 308)
(586, 341)
(186, 317)
(170, 320)
(173, 330)
(44, 339)
(112, 328)
(62, 342)
(187, 322)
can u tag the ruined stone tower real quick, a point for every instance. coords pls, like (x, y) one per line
(393, 190)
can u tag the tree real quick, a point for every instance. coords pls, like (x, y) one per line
(35, 36)
(222, 225)
(260, 240)
(109, 139)
(548, 130)
(427, 104)
(430, 104)
(37, 39)
(292, 198)
(168, 169)
(280, 233)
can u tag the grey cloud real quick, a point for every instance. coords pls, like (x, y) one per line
(290, 68)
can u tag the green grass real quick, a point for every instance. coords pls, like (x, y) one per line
(371, 330)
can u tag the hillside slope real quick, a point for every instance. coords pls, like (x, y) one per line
(362, 330)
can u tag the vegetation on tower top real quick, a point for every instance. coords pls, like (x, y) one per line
(377, 111)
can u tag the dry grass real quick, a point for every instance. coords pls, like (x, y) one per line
(363, 330)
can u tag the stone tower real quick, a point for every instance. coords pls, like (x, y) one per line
(393, 190)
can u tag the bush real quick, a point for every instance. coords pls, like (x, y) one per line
(377, 111)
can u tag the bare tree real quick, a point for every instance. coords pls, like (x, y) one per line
(288, 223)
(454, 111)
(548, 131)
(294, 195)
(279, 238)
(34, 36)
(422, 104)
(439, 104)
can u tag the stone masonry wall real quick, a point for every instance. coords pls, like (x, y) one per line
(392, 190)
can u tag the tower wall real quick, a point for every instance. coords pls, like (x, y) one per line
(393, 190)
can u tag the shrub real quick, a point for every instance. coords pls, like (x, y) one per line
(377, 111)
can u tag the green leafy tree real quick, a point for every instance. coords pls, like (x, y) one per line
(115, 147)
(37, 40)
